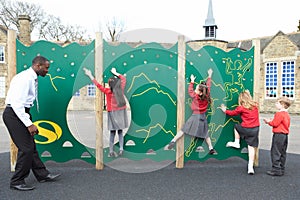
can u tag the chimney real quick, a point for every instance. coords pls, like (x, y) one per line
(24, 29)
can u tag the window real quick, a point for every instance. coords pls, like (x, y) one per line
(77, 94)
(271, 80)
(2, 54)
(91, 90)
(210, 32)
(2, 87)
(288, 79)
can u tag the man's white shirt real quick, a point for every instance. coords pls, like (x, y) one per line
(22, 93)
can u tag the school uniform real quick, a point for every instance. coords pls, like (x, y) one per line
(117, 116)
(280, 124)
(248, 129)
(196, 125)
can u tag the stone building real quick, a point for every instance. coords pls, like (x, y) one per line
(279, 63)
(3, 64)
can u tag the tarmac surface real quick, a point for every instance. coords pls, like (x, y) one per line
(212, 179)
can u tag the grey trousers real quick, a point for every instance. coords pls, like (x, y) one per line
(278, 151)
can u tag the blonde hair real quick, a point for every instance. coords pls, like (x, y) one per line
(245, 99)
(285, 102)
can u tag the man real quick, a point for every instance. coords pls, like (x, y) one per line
(17, 118)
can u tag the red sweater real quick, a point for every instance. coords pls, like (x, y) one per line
(111, 101)
(198, 106)
(250, 118)
(281, 122)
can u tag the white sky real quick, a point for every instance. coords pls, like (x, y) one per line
(236, 19)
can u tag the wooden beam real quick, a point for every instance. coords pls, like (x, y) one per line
(11, 72)
(99, 101)
(256, 86)
(180, 100)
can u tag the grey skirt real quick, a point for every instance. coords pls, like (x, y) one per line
(250, 135)
(196, 126)
(117, 119)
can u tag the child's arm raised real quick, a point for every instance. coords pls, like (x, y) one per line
(114, 72)
(88, 73)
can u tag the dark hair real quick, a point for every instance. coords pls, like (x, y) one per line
(115, 86)
(205, 95)
(39, 60)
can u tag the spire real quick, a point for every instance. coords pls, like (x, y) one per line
(210, 20)
(210, 25)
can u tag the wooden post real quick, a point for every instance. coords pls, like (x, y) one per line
(11, 72)
(180, 100)
(99, 101)
(256, 81)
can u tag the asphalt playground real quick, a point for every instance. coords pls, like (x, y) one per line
(212, 179)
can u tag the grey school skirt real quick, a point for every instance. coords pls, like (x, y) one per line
(117, 119)
(250, 135)
(196, 126)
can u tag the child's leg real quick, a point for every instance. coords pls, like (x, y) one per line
(212, 151)
(121, 139)
(283, 154)
(112, 140)
(278, 149)
(236, 143)
(236, 136)
(177, 136)
(172, 143)
(251, 155)
(208, 142)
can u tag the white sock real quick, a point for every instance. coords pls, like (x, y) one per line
(250, 163)
(237, 141)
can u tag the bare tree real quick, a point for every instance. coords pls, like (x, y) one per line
(114, 28)
(10, 11)
(48, 27)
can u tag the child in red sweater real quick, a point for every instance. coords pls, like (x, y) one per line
(196, 125)
(116, 108)
(248, 129)
(281, 125)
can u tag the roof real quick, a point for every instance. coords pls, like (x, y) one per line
(264, 41)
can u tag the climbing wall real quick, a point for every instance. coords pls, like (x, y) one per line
(151, 91)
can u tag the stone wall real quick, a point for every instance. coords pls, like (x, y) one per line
(3, 66)
(198, 44)
(24, 29)
(278, 50)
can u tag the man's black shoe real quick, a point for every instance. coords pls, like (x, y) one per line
(22, 187)
(50, 177)
(274, 173)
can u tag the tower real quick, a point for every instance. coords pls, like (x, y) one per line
(210, 25)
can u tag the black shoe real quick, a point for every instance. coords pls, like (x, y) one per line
(112, 155)
(213, 152)
(171, 145)
(50, 177)
(274, 173)
(22, 187)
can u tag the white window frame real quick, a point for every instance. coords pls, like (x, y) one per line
(288, 77)
(2, 52)
(271, 79)
(2, 87)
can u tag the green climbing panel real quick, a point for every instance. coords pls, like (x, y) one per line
(151, 90)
